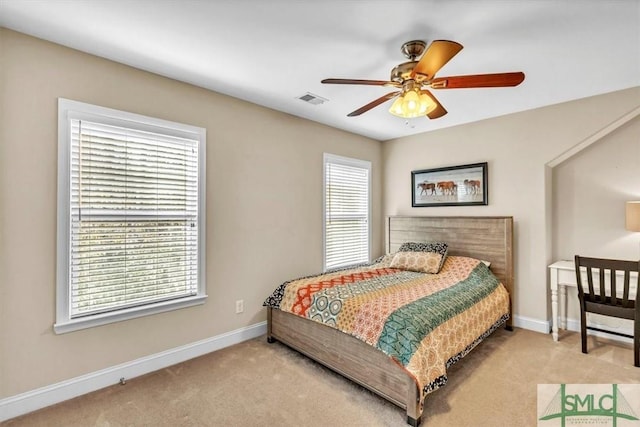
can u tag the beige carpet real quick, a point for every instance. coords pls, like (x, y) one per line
(260, 384)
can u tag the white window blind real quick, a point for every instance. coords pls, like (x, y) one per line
(133, 217)
(346, 216)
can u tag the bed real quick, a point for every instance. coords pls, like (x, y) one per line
(397, 378)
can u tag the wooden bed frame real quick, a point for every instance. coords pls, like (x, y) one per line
(485, 238)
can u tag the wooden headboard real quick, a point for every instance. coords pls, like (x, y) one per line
(482, 237)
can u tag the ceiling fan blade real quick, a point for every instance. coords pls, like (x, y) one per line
(360, 82)
(478, 80)
(438, 53)
(437, 112)
(373, 104)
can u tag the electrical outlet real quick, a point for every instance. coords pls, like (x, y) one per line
(239, 306)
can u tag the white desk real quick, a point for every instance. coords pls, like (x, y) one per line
(563, 274)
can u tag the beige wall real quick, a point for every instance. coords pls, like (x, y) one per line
(517, 148)
(264, 207)
(589, 194)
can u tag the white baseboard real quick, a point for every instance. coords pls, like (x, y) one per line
(574, 325)
(20, 404)
(536, 325)
(544, 327)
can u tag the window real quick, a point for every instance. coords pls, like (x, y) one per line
(346, 211)
(131, 217)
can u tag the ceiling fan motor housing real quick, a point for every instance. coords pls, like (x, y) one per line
(412, 50)
(402, 72)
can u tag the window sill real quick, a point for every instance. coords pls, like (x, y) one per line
(70, 325)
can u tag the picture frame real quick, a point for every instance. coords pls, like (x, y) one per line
(463, 185)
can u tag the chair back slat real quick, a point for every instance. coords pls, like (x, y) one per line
(591, 293)
(614, 291)
(603, 293)
(625, 291)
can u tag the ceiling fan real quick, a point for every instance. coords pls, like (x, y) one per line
(414, 78)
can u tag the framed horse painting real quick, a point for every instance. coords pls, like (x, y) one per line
(463, 185)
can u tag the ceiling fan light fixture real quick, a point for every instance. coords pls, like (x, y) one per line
(412, 104)
(396, 107)
(427, 104)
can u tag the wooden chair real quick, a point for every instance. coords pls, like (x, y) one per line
(595, 299)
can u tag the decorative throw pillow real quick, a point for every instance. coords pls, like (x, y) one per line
(440, 248)
(424, 262)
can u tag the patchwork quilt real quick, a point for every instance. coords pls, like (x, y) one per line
(425, 322)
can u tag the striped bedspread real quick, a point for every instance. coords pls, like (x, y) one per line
(425, 322)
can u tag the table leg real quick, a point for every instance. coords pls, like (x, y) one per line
(554, 303)
(554, 313)
(563, 307)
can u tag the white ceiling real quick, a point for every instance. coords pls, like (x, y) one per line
(272, 52)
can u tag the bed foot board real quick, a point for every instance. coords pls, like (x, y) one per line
(509, 328)
(271, 340)
(413, 422)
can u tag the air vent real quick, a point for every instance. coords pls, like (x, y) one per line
(313, 99)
